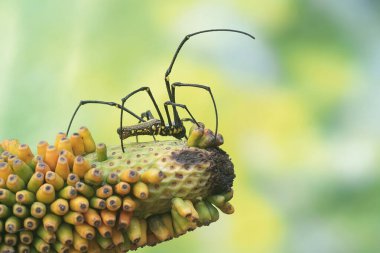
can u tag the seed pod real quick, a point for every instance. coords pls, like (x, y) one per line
(180, 224)
(69, 156)
(85, 231)
(46, 194)
(113, 203)
(26, 237)
(7, 197)
(73, 218)
(51, 156)
(195, 136)
(101, 152)
(227, 208)
(62, 169)
(12, 224)
(38, 210)
(22, 248)
(94, 177)
(10, 239)
(35, 182)
(55, 180)
(79, 204)
(25, 197)
(84, 189)
(60, 247)
(24, 153)
(152, 176)
(124, 219)
(144, 228)
(140, 190)
(72, 179)
(68, 192)
(59, 207)
(58, 138)
(20, 211)
(65, 144)
(134, 230)
(92, 218)
(129, 204)
(15, 183)
(41, 148)
(4, 211)
(42, 167)
(112, 178)
(129, 176)
(45, 235)
(21, 169)
(97, 203)
(105, 231)
(40, 245)
(194, 217)
(108, 217)
(168, 222)
(65, 234)
(31, 223)
(104, 192)
(94, 247)
(213, 211)
(89, 143)
(6, 248)
(158, 228)
(117, 237)
(104, 242)
(203, 212)
(122, 188)
(81, 166)
(5, 170)
(51, 222)
(182, 208)
(77, 144)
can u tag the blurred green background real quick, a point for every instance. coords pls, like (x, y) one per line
(299, 106)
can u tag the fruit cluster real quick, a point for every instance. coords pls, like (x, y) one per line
(76, 196)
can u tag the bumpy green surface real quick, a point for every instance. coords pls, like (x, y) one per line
(186, 169)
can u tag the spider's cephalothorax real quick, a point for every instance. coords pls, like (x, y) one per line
(152, 126)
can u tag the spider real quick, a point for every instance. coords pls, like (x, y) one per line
(147, 124)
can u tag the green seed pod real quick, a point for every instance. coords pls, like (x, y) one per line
(35, 181)
(94, 177)
(26, 237)
(25, 197)
(41, 245)
(55, 180)
(12, 224)
(68, 192)
(46, 194)
(31, 223)
(97, 203)
(104, 243)
(65, 234)
(85, 189)
(101, 152)
(21, 169)
(45, 235)
(73, 218)
(158, 228)
(7, 197)
(4, 211)
(20, 211)
(38, 210)
(134, 230)
(51, 222)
